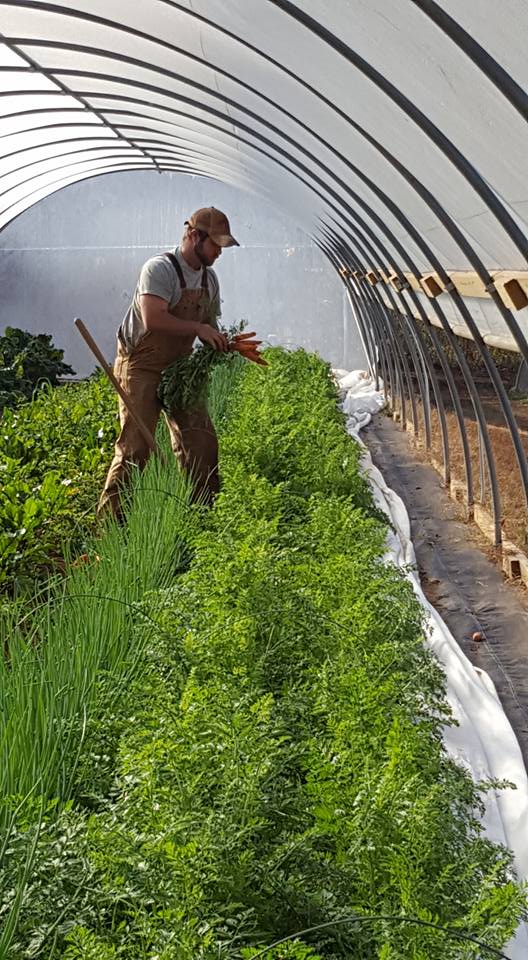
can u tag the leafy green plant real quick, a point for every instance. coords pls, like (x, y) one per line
(27, 360)
(54, 456)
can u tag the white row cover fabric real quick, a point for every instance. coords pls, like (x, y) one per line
(284, 111)
(483, 741)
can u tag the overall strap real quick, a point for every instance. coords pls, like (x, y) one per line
(174, 260)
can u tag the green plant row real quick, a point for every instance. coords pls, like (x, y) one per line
(71, 658)
(55, 451)
(26, 360)
(277, 764)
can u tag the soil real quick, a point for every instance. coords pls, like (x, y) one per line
(457, 571)
(514, 511)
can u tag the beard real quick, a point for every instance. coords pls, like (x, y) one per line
(202, 256)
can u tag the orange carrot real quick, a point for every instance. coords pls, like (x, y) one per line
(247, 345)
(244, 336)
(243, 344)
(244, 349)
(255, 357)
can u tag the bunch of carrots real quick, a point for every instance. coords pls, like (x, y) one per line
(184, 383)
(247, 347)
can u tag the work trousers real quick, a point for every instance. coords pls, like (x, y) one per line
(193, 438)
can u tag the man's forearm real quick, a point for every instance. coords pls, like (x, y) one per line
(167, 323)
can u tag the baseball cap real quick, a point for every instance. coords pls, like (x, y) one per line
(215, 224)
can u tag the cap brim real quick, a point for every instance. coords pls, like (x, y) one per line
(225, 240)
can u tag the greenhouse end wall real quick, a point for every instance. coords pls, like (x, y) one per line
(78, 253)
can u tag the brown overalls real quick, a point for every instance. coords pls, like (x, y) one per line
(192, 433)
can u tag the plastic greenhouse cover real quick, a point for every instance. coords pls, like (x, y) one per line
(438, 78)
(327, 108)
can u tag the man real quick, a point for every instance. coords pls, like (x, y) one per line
(177, 299)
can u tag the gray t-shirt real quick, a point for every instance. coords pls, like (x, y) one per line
(160, 278)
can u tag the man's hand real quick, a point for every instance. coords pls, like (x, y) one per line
(213, 337)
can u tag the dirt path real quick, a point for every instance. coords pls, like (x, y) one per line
(458, 576)
(514, 511)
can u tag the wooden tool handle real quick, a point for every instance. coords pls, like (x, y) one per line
(142, 427)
